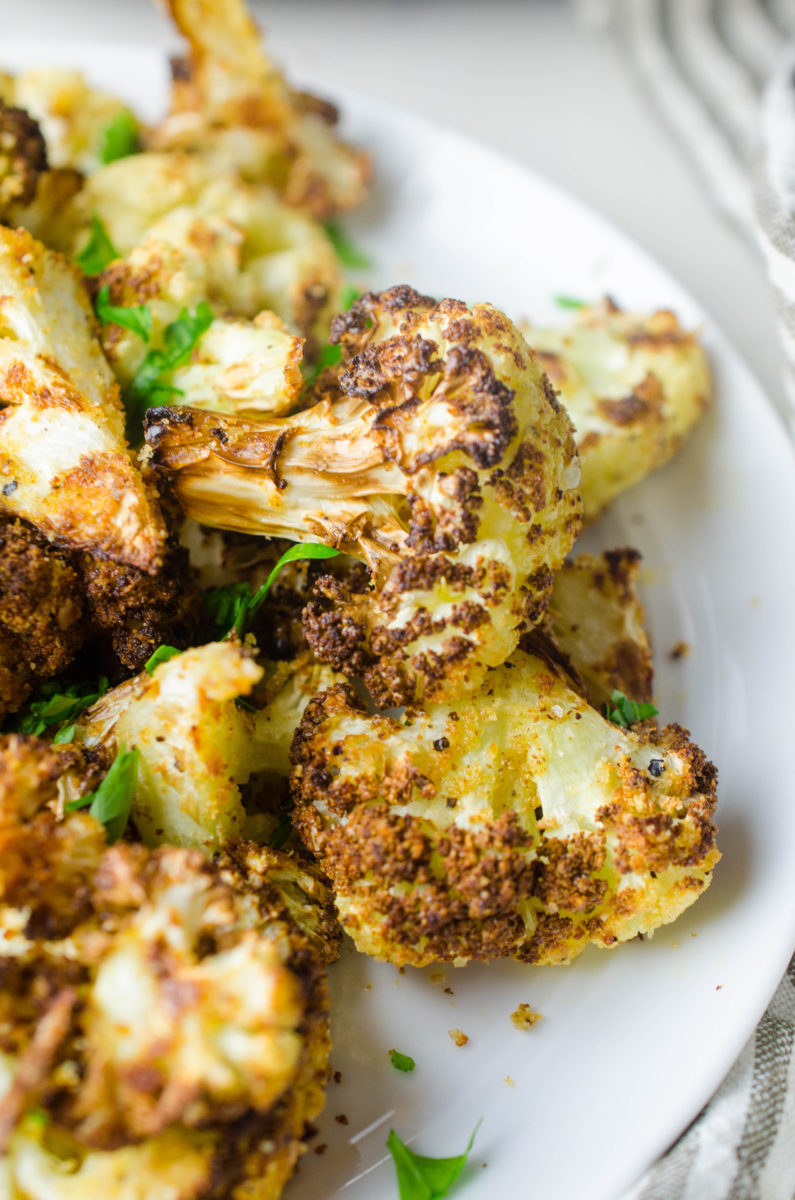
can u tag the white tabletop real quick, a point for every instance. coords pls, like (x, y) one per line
(532, 79)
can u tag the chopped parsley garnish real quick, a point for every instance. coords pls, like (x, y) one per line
(137, 318)
(67, 734)
(421, 1178)
(403, 1062)
(112, 801)
(281, 833)
(348, 296)
(570, 302)
(162, 654)
(120, 137)
(329, 356)
(235, 605)
(98, 251)
(625, 712)
(149, 386)
(55, 704)
(344, 249)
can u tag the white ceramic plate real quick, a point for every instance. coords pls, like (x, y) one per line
(632, 1043)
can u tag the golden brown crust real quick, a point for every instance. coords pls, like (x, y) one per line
(23, 156)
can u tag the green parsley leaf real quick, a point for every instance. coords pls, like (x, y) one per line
(421, 1178)
(162, 654)
(235, 606)
(98, 251)
(67, 734)
(403, 1062)
(244, 704)
(628, 712)
(348, 296)
(570, 302)
(112, 801)
(149, 387)
(135, 317)
(344, 249)
(39, 1117)
(281, 833)
(55, 704)
(120, 137)
(329, 356)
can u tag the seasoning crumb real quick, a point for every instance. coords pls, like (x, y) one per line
(524, 1017)
(341, 1119)
(718, 987)
(680, 650)
(322, 1148)
(401, 970)
(694, 935)
(449, 992)
(509, 1081)
(337, 1076)
(437, 977)
(458, 1036)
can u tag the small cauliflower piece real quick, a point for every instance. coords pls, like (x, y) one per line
(231, 105)
(64, 461)
(73, 116)
(167, 1034)
(23, 157)
(633, 385)
(596, 619)
(197, 747)
(237, 365)
(437, 455)
(251, 251)
(516, 821)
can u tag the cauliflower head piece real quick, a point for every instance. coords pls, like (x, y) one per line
(633, 385)
(165, 1007)
(516, 821)
(437, 455)
(231, 106)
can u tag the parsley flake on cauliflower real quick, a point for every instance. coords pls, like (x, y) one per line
(437, 455)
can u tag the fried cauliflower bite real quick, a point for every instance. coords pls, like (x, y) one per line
(198, 748)
(41, 612)
(596, 618)
(516, 821)
(231, 105)
(73, 116)
(23, 157)
(238, 366)
(167, 1036)
(633, 385)
(437, 455)
(64, 462)
(248, 249)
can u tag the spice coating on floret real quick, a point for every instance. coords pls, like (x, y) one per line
(520, 823)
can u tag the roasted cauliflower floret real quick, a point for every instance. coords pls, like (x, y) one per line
(251, 252)
(596, 619)
(41, 610)
(437, 455)
(516, 821)
(74, 117)
(233, 107)
(23, 157)
(177, 1010)
(198, 747)
(237, 366)
(633, 385)
(64, 462)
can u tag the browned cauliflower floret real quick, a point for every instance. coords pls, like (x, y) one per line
(172, 1010)
(234, 108)
(23, 157)
(41, 611)
(65, 465)
(634, 385)
(438, 456)
(516, 821)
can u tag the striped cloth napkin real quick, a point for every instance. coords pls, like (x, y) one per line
(721, 73)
